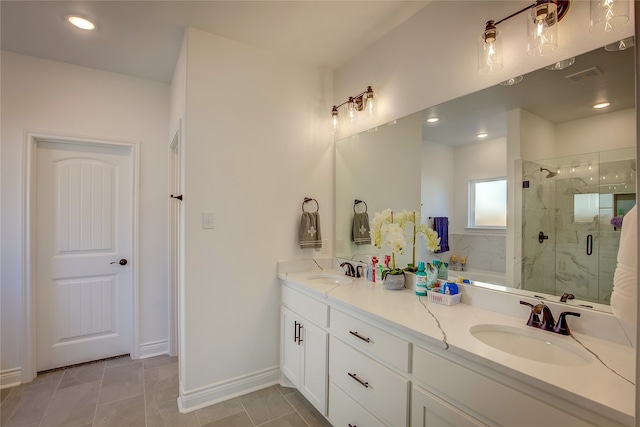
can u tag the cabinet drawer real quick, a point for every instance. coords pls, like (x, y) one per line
(362, 335)
(375, 386)
(312, 309)
(344, 411)
(495, 401)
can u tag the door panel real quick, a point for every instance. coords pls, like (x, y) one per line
(84, 226)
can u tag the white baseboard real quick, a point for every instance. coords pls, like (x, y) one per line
(155, 348)
(191, 400)
(10, 377)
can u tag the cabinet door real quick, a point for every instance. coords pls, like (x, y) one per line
(289, 346)
(428, 410)
(314, 365)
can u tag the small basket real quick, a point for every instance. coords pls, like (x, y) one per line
(443, 299)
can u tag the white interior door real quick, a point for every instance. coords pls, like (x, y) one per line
(84, 226)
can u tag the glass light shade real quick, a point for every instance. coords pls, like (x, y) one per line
(607, 15)
(542, 29)
(490, 54)
(352, 111)
(370, 107)
(335, 118)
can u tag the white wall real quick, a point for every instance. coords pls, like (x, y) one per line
(257, 142)
(380, 168)
(486, 159)
(46, 96)
(615, 130)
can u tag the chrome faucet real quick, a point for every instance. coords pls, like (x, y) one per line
(548, 323)
(349, 271)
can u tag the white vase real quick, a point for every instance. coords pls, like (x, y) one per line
(410, 280)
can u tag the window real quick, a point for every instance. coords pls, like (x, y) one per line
(488, 203)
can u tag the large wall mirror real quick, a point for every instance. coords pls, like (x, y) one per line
(569, 168)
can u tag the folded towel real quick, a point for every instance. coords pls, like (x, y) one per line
(625, 277)
(310, 236)
(360, 230)
(441, 225)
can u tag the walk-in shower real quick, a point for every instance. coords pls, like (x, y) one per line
(569, 241)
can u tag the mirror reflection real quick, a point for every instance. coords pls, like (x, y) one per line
(569, 170)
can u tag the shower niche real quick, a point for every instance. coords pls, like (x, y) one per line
(572, 208)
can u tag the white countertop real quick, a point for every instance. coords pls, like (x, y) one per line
(594, 386)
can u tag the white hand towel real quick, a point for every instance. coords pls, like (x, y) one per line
(310, 236)
(625, 278)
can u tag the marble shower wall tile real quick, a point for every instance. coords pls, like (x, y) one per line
(483, 252)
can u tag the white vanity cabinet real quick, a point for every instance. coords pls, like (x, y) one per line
(370, 365)
(304, 341)
(360, 368)
(428, 410)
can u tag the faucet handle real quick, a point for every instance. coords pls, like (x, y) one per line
(563, 327)
(534, 320)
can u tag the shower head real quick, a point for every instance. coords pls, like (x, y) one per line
(549, 174)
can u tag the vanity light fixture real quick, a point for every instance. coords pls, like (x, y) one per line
(561, 65)
(362, 102)
(601, 105)
(512, 81)
(482, 135)
(542, 33)
(620, 45)
(80, 22)
(433, 119)
(607, 15)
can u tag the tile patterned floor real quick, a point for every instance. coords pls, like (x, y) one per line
(142, 393)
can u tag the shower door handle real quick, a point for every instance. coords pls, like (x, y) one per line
(542, 237)
(589, 244)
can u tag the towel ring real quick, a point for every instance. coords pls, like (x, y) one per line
(356, 202)
(306, 200)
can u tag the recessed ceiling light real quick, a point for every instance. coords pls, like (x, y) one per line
(482, 135)
(81, 22)
(432, 119)
(601, 105)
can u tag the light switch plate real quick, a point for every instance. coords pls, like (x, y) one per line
(207, 220)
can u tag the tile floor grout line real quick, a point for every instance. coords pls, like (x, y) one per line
(95, 410)
(296, 411)
(144, 392)
(52, 396)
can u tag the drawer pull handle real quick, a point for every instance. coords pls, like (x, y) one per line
(355, 377)
(356, 334)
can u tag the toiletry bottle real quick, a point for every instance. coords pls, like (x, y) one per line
(367, 269)
(374, 261)
(432, 276)
(443, 270)
(421, 280)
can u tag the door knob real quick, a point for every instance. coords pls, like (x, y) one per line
(121, 262)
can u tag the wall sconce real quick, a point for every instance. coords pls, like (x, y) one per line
(542, 33)
(355, 104)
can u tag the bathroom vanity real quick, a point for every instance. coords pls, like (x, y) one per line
(367, 356)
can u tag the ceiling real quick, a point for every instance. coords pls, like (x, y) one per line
(143, 38)
(557, 96)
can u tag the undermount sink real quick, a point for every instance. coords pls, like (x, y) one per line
(330, 279)
(533, 344)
